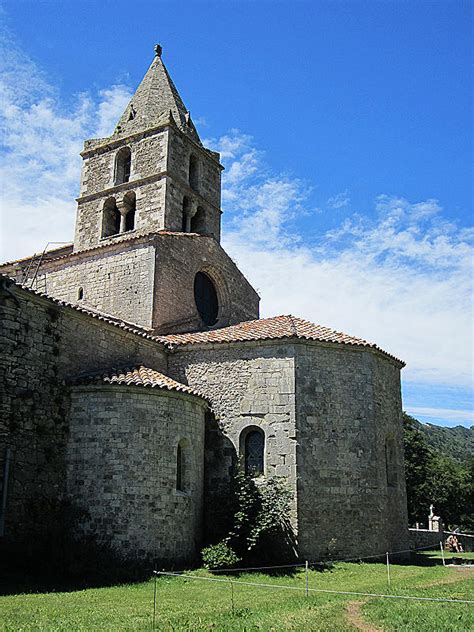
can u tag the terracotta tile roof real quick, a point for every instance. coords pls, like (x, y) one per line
(135, 376)
(49, 255)
(274, 328)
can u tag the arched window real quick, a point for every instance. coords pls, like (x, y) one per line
(110, 218)
(80, 294)
(130, 205)
(123, 162)
(198, 221)
(253, 449)
(182, 483)
(193, 173)
(205, 296)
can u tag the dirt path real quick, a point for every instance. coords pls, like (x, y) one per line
(355, 618)
(354, 608)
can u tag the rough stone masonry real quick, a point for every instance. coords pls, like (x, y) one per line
(137, 374)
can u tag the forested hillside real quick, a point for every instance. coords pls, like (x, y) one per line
(439, 469)
(457, 442)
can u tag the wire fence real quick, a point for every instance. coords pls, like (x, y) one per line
(306, 588)
(314, 590)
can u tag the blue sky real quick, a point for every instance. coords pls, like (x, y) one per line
(345, 129)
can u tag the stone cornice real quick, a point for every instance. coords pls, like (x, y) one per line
(133, 184)
(126, 186)
(115, 143)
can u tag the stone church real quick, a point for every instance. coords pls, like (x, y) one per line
(137, 372)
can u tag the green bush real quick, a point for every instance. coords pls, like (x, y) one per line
(219, 556)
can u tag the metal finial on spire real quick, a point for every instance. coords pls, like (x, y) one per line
(158, 50)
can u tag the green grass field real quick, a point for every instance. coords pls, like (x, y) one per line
(195, 604)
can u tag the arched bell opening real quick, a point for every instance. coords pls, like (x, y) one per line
(123, 165)
(110, 218)
(129, 202)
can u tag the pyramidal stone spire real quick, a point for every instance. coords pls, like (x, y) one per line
(155, 101)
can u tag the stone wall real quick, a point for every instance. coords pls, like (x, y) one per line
(248, 384)
(43, 345)
(424, 538)
(207, 193)
(348, 401)
(122, 469)
(389, 425)
(149, 215)
(326, 412)
(180, 149)
(159, 177)
(147, 180)
(178, 258)
(116, 282)
(149, 281)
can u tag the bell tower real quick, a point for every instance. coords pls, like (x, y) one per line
(152, 174)
(147, 243)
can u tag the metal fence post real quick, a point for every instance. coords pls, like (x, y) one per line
(388, 569)
(232, 595)
(154, 600)
(307, 578)
(442, 553)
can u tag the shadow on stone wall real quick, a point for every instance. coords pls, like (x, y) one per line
(54, 559)
(221, 503)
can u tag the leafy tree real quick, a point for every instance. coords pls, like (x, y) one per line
(417, 467)
(436, 478)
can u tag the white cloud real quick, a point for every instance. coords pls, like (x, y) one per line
(449, 414)
(112, 104)
(39, 157)
(341, 200)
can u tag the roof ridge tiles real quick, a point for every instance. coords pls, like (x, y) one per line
(274, 328)
(134, 375)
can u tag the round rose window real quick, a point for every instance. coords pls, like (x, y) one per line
(205, 296)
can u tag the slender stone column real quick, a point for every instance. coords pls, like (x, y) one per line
(122, 209)
(192, 212)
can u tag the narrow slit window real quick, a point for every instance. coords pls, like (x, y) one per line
(179, 469)
(391, 462)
